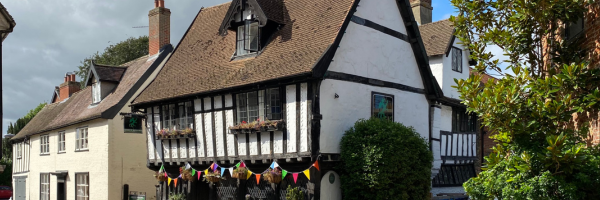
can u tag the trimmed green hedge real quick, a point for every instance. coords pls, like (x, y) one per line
(382, 159)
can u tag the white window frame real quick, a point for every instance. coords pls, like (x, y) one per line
(246, 34)
(44, 186)
(81, 139)
(457, 59)
(61, 142)
(82, 186)
(45, 144)
(96, 97)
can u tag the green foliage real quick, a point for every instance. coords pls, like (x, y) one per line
(115, 54)
(542, 151)
(294, 193)
(21, 122)
(382, 159)
(177, 196)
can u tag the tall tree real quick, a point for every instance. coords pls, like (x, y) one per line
(542, 153)
(115, 54)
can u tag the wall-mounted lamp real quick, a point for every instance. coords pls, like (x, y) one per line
(336, 96)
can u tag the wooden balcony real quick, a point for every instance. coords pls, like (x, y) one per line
(458, 147)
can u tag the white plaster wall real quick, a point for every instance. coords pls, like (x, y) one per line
(383, 12)
(94, 161)
(21, 165)
(331, 191)
(370, 53)
(436, 116)
(438, 190)
(449, 75)
(290, 112)
(354, 103)
(436, 63)
(200, 134)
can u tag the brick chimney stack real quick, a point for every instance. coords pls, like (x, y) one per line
(422, 11)
(69, 87)
(159, 27)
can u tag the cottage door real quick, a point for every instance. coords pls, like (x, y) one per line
(20, 189)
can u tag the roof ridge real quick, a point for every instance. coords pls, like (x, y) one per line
(436, 22)
(134, 60)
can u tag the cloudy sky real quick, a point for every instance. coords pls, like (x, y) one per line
(52, 37)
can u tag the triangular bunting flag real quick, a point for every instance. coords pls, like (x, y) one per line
(283, 173)
(257, 178)
(307, 173)
(162, 169)
(166, 174)
(222, 171)
(187, 166)
(274, 164)
(212, 166)
(175, 181)
(295, 176)
(199, 175)
(248, 175)
(237, 165)
(169, 181)
(231, 171)
(316, 165)
(243, 164)
(216, 166)
(193, 172)
(206, 172)
(179, 176)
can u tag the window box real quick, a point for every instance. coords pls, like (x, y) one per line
(165, 134)
(257, 126)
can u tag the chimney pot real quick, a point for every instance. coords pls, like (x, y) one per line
(73, 77)
(66, 79)
(161, 3)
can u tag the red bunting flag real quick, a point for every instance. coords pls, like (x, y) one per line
(200, 172)
(316, 165)
(257, 178)
(243, 164)
(295, 176)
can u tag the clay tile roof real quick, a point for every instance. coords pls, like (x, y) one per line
(110, 73)
(77, 108)
(436, 36)
(273, 9)
(202, 60)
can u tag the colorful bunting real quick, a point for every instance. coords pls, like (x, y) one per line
(283, 173)
(187, 166)
(206, 172)
(200, 172)
(212, 166)
(162, 169)
(248, 175)
(316, 165)
(307, 173)
(243, 164)
(222, 171)
(175, 181)
(237, 165)
(231, 171)
(295, 176)
(166, 174)
(216, 166)
(169, 182)
(257, 178)
(193, 172)
(274, 164)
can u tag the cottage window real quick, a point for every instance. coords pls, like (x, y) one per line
(462, 121)
(456, 59)
(178, 116)
(382, 106)
(81, 139)
(82, 182)
(96, 97)
(44, 186)
(19, 150)
(574, 29)
(247, 38)
(249, 105)
(61, 142)
(44, 144)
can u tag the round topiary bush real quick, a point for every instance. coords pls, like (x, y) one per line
(382, 159)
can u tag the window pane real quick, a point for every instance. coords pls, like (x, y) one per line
(240, 41)
(273, 104)
(190, 114)
(253, 37)
(242, 107)
(252, 106)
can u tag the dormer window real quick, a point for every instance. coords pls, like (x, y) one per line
(96, 95)
(247, 38)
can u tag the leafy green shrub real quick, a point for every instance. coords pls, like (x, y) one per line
(294, 193)
(176, 196)
(382, 159)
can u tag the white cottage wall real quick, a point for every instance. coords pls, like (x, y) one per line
(354, 103)
(383, 12)
(449, 75)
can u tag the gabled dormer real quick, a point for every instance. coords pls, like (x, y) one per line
(253, 21)
(103, 79)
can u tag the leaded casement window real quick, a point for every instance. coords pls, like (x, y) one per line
(82, 182)
(247, 38)
(81, 139)
(19, 150)
(574, 29)
(456, 59)
(96, 94)
(45, 186)
(61, 142)
(453, 175)
(179, 116)
(463, 121)
(259, 105)
(45, 144)
(382, 106)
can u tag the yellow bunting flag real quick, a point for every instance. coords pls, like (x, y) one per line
(257, 178)
(206, 172)
(248, 175)
(169, 182)
(307, 173)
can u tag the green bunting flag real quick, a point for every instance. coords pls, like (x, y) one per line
(237, 165)
(283, 173)
(193, 171)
